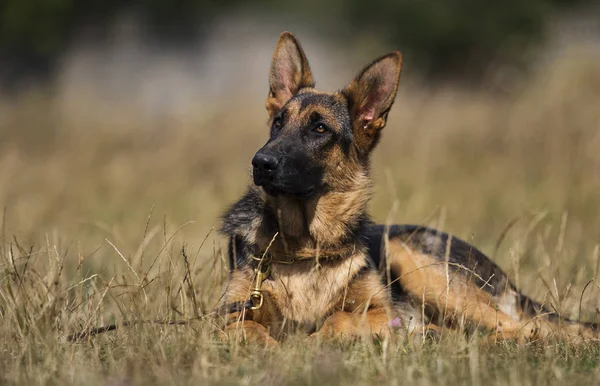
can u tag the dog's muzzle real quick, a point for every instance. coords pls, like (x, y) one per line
(264, 168)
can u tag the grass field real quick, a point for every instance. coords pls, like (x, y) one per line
(96, 213)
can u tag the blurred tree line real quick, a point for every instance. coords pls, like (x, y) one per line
(444, 37)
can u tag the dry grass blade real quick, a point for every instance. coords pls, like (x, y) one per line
(130, 268)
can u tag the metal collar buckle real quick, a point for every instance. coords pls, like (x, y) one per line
(261, 273)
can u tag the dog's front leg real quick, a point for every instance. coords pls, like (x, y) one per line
(249, 325)
(346, 324)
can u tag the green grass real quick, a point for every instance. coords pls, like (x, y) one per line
(97, 209)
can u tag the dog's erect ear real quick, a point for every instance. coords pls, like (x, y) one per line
(371, 95)
(289, 72)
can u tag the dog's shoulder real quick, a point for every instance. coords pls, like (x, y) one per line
(244, 213)
(241, 224)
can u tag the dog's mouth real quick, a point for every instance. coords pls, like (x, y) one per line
(303, 194)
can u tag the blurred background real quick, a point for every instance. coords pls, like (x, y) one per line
(135, 122)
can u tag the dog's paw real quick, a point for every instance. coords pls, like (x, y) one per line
(523, 334)
(248, 332)
(429, 333)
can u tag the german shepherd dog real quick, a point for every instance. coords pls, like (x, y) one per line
(331, 270)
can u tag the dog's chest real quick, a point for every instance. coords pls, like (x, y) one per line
(306, 294)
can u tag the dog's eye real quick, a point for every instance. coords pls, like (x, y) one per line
(277, 123)
(320, 129)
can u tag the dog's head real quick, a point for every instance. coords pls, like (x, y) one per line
(318, 140)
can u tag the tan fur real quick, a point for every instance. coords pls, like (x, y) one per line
(330, 214)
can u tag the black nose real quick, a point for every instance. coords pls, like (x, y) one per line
(265, 164)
